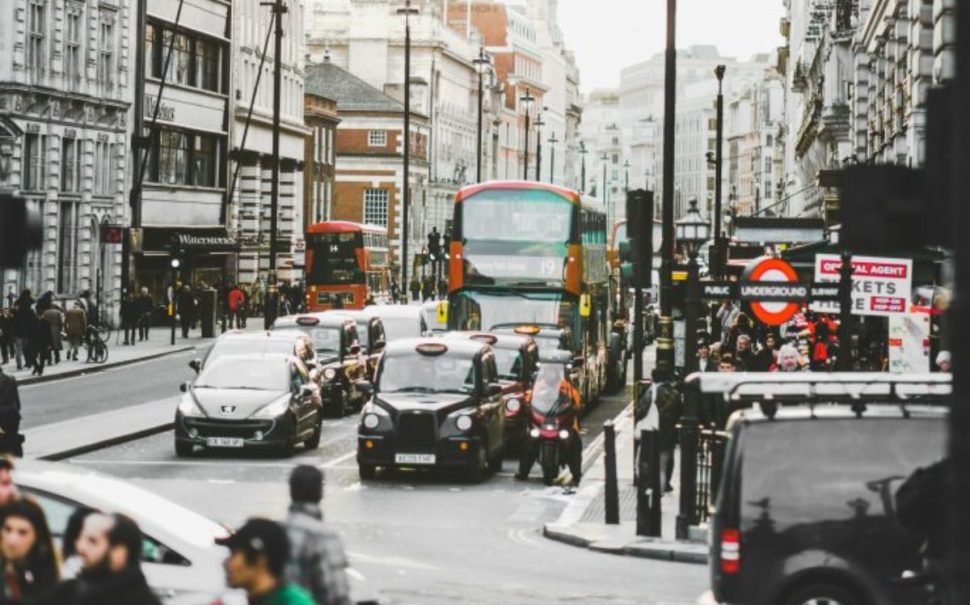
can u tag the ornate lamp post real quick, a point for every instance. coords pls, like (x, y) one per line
(626, 175)
(582, 154)
(527, 100)
(482, 63)
(539, 124)
(407, 10)
(552, 158)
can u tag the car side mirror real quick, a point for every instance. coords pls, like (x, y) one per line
(184, 387)
(493, 389)
(365, 386)
(379, 344)
(196, 364)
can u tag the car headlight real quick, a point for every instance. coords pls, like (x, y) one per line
(564, 434)
(329, 373)
(188, 407)
(274, 409)
(371, 421)
(463, 422)
(534, 432)
(513, 405)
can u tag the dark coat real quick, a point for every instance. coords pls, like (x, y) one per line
(670, 405)
(40, 336)
(10, 441)
(126, 588)
(186, 303)
(24, 317)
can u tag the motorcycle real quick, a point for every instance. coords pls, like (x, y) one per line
(552, 433)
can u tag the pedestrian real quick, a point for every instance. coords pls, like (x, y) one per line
(943, 361)
(75, 326)
(727, 363)
(669, 408)
(317, 561)
(143, 313)
(258, 554)
(90, 307)
(45, 302)
(703, 363)
(27, 556)
(11, 441)
(54, 317)
(186, 308)
(7, 349)
(427, 289)
(39, 343)
(255, 298)
(743, 352)
(129, 316)
(23, 322)
(8, 489)
(415, 287)
(395, 290)
(109, 547)
(71, 562)
(788, 360)
(235, 301)
(742, 325)
(765, 357)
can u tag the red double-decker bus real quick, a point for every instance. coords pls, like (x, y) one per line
(345, 261)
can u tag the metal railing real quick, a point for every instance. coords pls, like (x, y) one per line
(702, 463)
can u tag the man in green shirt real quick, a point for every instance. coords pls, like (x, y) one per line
(257, 558)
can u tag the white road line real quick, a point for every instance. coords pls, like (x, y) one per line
(338, 460)
(219, 463)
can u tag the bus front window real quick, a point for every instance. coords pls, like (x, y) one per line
(334, 259)
(484, 311)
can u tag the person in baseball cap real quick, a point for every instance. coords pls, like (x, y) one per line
(258, 553)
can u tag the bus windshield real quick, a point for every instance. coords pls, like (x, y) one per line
(516, 236)
(484, 310)
(334, 259)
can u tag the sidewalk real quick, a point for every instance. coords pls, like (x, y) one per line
(119, 354)
(582, 523)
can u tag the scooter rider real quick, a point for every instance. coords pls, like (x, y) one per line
(566, 392)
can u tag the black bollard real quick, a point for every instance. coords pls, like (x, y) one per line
(612, 504)
(649, 490)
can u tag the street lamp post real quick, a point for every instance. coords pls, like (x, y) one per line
(665, 341)
(272, 286)
(692, 231)
(626, 175)
(526, 101)
(407, 10)
(552, 158)
(718, 238)
(606, 192)
(481, 62)
(175, 264)
(582, 154)
(539, 124)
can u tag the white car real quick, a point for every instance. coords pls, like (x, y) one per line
(180, 558)
(400, 321)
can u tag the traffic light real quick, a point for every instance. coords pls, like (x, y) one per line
(639, 227)
(20, 230)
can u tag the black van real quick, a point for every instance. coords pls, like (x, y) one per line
(805, 512)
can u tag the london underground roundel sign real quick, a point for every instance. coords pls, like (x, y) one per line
(770, 269)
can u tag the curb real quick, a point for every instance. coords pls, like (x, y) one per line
(108, 442)
(660, 551)
(95, 368)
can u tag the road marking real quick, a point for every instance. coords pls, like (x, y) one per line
(338, 460)
(219, 463)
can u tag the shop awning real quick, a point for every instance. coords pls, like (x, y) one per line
(202, 240)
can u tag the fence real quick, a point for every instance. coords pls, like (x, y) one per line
(702, 462)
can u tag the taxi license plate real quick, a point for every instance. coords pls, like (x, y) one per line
(224, 442)
(414, 458)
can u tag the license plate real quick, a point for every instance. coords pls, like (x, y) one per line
(414, 458)
(224, 442)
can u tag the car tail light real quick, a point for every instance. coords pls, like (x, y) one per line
(730, 551)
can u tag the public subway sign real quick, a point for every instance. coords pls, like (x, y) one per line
(771, 285)
(880, 286)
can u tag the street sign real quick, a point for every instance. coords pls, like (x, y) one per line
(778, 281)
(718, 290)
(112, 234)
(880, 286)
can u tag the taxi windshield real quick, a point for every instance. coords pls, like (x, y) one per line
(548, 396)
(426, 374)
(326, 341)
(509, 363)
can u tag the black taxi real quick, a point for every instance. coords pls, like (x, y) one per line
(435, 403)
(338, 350)
(517, 359)
(370, 334)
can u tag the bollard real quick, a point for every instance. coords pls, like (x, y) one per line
(649, 490)
(609, 459)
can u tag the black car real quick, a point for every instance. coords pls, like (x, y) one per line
(370, 334)
(341, 363)
(265, 402)
(435, 403)
(806, 511)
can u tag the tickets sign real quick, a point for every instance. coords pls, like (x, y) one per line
(880, 286)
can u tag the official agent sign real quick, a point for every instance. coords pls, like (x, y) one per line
(880, 286)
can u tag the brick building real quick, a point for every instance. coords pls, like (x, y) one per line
(369, 153)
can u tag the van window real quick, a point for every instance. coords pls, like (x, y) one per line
(800, 472)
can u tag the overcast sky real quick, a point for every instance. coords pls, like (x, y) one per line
(608, 35)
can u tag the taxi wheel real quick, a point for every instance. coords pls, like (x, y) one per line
(495, 462)
(366, 471)
(314, 441)
(479, 466)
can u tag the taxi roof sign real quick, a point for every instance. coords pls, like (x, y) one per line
(431, 348)
(307, 320)
(530, 330)
(487, 338)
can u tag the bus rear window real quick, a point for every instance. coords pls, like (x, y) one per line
(333, 259)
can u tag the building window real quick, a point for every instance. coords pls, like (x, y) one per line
(103, 161)
(180, 63)
(66, 246)
(375, 207)
(70, 165)
(184, 158)
(34, 170)
(151, 50)
(72, 45)
(195, 61)
(36, 33)
(377, 138)
(207, 65)
(106, 52)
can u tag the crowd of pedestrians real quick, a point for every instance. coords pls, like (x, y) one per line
(298, 561)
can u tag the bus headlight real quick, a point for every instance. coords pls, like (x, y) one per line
(513, 405)
(463, 422)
